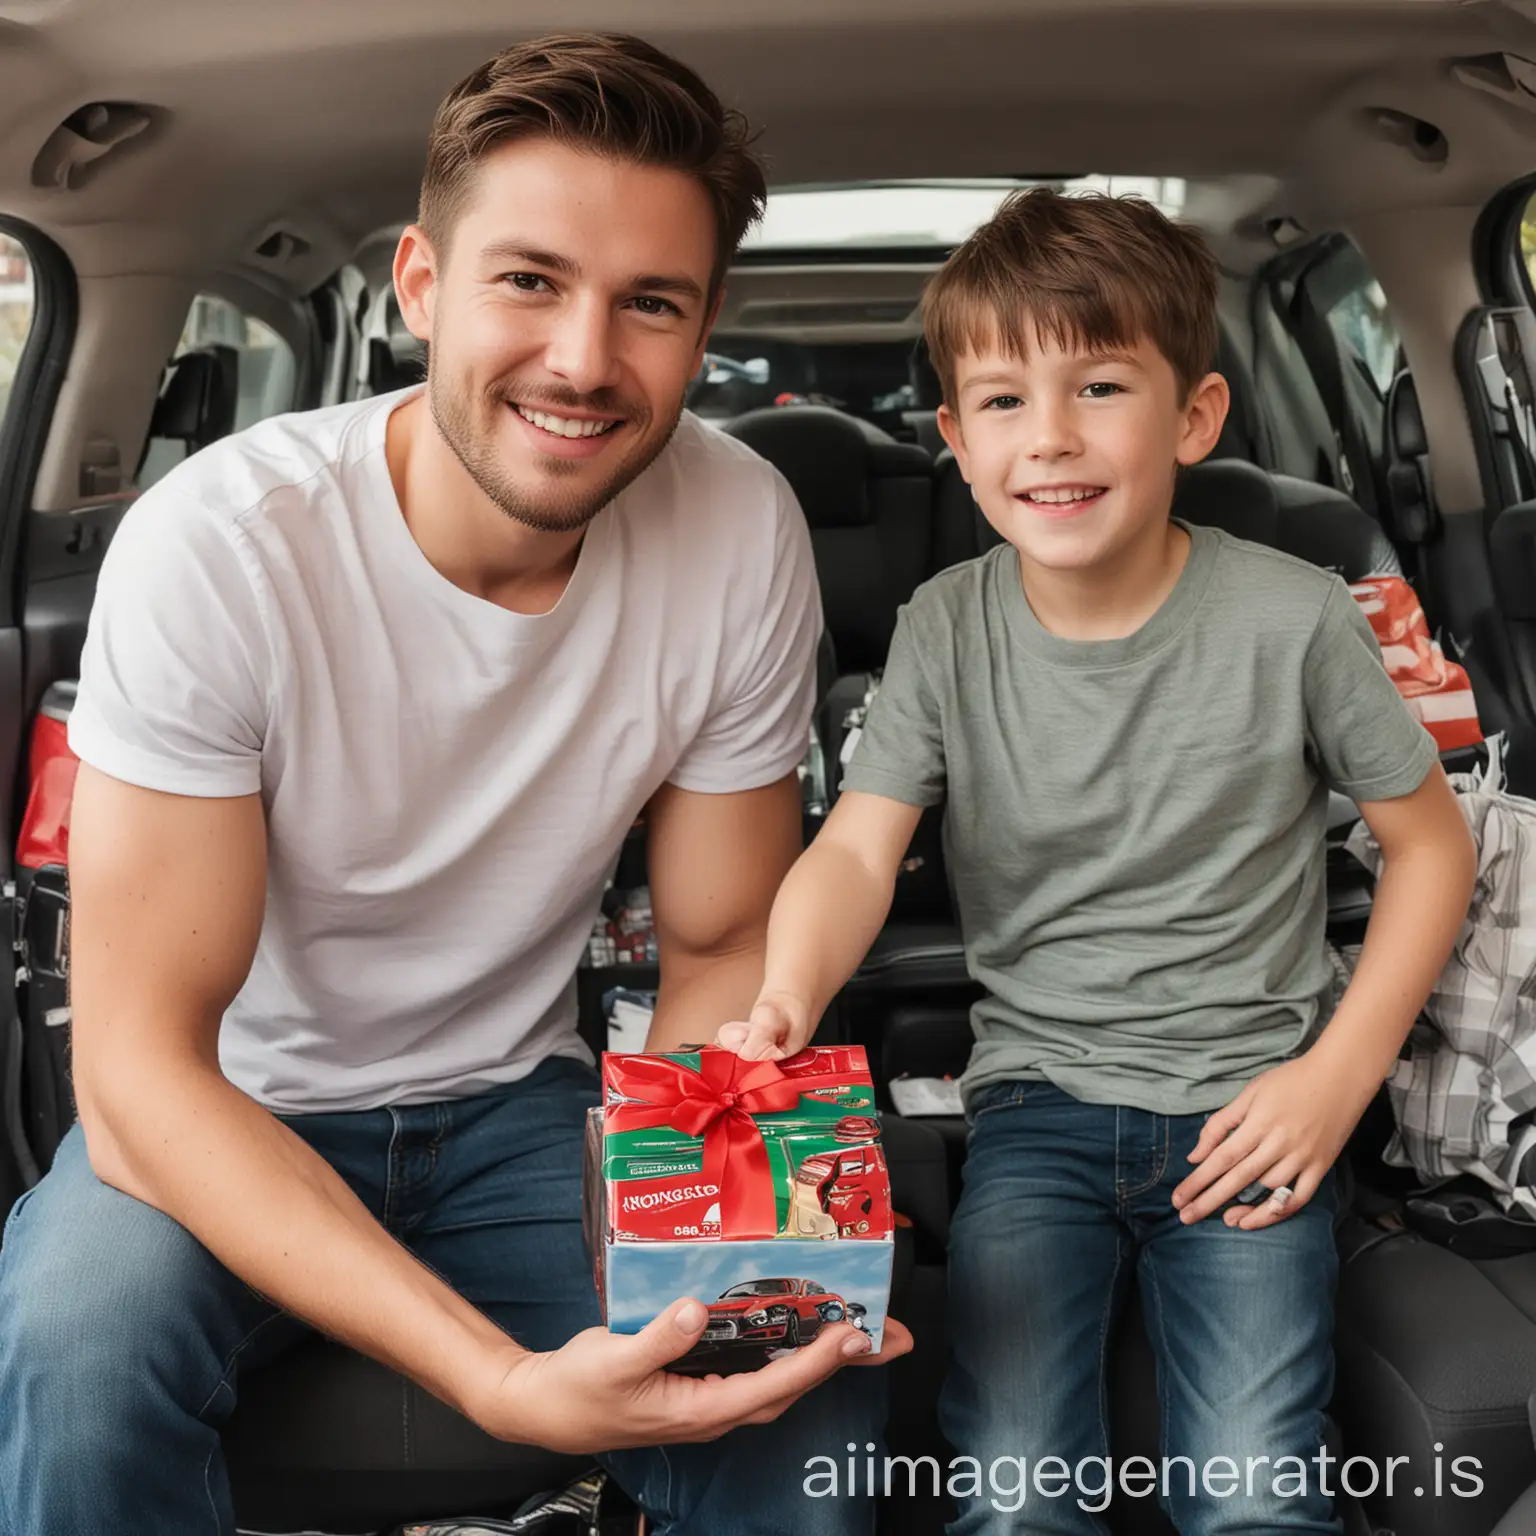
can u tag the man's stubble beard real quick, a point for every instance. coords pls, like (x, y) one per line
(549, 514)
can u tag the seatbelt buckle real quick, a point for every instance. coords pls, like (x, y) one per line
(1346, 474)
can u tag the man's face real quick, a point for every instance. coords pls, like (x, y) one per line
(565, 320)
(1071, 455)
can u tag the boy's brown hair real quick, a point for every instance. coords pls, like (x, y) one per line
(1090, 271)
(609, 93)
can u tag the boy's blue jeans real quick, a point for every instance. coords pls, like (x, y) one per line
(1063, 1202)
(121, 1337)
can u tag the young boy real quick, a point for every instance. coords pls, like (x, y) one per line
(1133, 723)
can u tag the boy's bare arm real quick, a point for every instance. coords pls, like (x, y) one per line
(1286, 1128)
(828, 912)
(168, 897)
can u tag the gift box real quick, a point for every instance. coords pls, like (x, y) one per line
(758, 1187)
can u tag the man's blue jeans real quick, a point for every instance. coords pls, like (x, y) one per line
(122, 1338)
(1063, 1202)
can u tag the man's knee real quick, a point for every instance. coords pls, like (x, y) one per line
(105, 1299)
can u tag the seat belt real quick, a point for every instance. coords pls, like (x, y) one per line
(1320, 347)
(12, 1045)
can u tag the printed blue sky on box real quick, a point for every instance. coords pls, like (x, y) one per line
(643, 1278)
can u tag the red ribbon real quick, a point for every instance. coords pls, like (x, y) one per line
(717, 1103)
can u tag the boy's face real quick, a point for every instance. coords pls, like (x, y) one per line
(1072, 455)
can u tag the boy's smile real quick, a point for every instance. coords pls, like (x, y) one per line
(1071, 453)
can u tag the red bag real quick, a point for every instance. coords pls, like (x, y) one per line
(1438, 691)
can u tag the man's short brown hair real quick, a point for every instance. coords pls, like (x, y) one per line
(1091, 271)
(609, 93)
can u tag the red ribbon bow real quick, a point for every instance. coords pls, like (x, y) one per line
(717, 1103)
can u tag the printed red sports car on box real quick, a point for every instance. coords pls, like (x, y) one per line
(775, 1314)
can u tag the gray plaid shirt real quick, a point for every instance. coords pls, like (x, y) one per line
(1470, 1074)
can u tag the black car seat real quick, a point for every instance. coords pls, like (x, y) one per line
(868, 500)
(1437, 1362)
(1521, 1518)
(927, 396)
(394, 358)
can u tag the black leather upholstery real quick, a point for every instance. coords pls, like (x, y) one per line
(1410, 497)
(1521, 1517)
(1313, 522)
(868, 500)
(1437, 1350)
(326, 1439)
(397, 359)
(1242, 433)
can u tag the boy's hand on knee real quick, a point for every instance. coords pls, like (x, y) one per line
(780, 1026)
(1284, 1130)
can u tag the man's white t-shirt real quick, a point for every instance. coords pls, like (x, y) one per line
(447, 784)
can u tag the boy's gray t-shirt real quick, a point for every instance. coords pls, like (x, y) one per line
(1135, 827)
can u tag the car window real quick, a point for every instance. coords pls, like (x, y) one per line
(1528, 241)
(265, 367)
(17, 305)
(760, 1288)
(1362, 322)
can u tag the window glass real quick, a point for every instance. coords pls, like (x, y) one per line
(1364, 325)
(265, 368)
(17, 303)
(870, 215)
(1528, 240)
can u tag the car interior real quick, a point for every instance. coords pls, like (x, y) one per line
(198, 208)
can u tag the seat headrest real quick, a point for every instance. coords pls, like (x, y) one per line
(1405, 420)
(924, 378)
(406, 348)
(1229, 494)
(1313, 522)
(1240, 432)
(199, 398)
(829, 458)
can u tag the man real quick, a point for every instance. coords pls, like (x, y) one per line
(370, 698)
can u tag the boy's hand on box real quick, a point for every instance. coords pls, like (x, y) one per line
(610, 1391)
(780, 1026)
(1284, 1130)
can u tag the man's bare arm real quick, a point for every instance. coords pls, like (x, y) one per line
(168, 894)
(715, 863)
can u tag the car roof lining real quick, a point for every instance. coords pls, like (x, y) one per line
(286, 117)
(283, 116)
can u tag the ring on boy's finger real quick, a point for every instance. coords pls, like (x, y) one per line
(1281, 1197)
